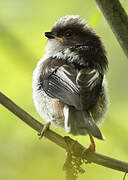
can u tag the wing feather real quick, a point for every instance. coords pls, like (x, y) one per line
(78, 88)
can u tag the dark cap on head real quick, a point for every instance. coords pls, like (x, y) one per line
(73, 32)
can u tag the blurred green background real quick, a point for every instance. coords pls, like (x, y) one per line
(22, 154)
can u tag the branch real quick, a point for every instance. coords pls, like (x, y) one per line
(117, 19)
(78, 149)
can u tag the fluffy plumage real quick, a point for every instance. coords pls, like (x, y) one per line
(69, 81)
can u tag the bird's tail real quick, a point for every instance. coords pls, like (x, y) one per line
(81, 123)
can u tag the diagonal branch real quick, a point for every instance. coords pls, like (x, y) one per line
(117, 19)
(60, 140)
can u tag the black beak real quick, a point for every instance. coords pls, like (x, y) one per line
(49, 35)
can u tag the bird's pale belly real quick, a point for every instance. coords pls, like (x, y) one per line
(51, 110)
(58, 115)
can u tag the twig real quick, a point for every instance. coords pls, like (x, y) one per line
(117, 19)
(60, 140)
(125, 175)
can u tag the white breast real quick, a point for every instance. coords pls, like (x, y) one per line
(41, 100)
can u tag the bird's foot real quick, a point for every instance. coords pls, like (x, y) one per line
(90, 149)
(92, 146)
(45, 128)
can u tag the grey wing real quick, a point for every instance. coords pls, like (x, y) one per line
(89, 82)
(74, 88)
(61, 84)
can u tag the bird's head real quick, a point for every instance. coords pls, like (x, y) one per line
(73, 34)
(68, 32)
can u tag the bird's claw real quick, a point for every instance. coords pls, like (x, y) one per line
(90, 149)
(44, 129)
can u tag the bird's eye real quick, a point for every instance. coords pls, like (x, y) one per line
(68, 33)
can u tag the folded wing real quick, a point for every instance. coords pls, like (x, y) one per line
(79, 89)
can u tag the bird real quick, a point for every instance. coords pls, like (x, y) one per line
(69, 85)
